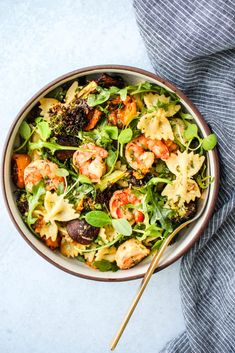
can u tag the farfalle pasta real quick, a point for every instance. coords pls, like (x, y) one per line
(107, 170)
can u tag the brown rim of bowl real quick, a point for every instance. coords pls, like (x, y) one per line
(174, 89)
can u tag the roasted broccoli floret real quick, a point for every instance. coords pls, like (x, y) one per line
(22, 202)
(69, 120)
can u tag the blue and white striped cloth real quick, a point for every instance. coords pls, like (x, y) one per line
(192, 44)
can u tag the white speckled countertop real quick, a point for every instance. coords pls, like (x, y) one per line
(43, 309)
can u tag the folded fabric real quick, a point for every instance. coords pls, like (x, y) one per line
(192, 44)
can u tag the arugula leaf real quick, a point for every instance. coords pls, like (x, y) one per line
(209, 142)
(97, 218)
(158, 212)
(105, 265)
(25, 130)
(34, 200)
(122, 226)
(43, 130)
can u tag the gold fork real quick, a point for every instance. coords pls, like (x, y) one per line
(152, 267)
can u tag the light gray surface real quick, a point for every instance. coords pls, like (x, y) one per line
(43, 309)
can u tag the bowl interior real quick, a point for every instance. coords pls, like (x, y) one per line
(186, 238)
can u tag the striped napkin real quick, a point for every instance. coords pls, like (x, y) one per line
(192, 44)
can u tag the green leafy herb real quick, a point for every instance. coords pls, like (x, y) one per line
(156, 180)
(25, 130)
(111, 159)
(105, 265)
(34, 200)
(80, 258)
(110, 179)
(97, 218)
(125, 136)
(191, 131)
(123, 93)
(209, 142)
(102, 96)
(52, 146)
(122, 226)
(62, 172)
(83, 179)
(43, 130)
(112, 131)
(186, 116)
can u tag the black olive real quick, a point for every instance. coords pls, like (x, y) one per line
(107, 81)
(82, 232)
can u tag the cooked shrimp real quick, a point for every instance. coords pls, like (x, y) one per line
(89, 160)
(42, 169)
(142, 151)
(130, 253)
(119, 209)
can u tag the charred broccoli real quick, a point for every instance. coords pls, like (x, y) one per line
(69, 120)
(22, 202)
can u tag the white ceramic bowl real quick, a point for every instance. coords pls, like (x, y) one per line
(187, 237)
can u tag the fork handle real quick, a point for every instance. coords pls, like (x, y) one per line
(144, 283)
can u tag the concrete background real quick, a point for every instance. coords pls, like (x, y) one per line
(43, 309)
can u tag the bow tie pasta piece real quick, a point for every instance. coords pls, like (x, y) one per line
(181, 191)
(184, 163)
(57, 208)
(156, 126)
(152, 100)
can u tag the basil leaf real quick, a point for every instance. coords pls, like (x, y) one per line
(191, 131)
(122, 226)
(97, 218)
(43, 130)
(123, 93)
(125, 136)
(25, 130)
(209, 142)
(105, 265)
